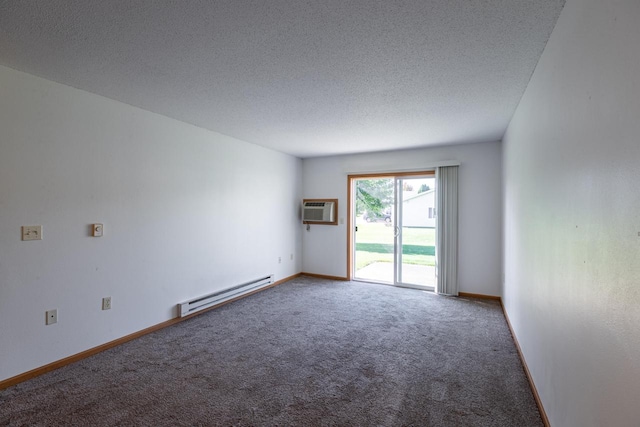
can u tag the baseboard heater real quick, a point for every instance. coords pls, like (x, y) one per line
(197, 304)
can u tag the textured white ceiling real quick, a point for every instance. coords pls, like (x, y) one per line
(304, 77)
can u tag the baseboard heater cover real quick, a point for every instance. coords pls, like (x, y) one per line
(206, 301)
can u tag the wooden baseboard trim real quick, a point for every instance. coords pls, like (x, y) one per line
(536, 396)
(480, 296)
(95, 350)
(534, 390)
(82, 355)
(322, 276)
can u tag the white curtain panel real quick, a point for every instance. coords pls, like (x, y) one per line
(447, 230)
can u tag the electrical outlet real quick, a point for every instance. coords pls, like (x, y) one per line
(279, 260)
(291, 256)
(32, 232)
(106, 303)
(52, 317)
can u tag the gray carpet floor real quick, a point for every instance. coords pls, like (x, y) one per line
(309, 352)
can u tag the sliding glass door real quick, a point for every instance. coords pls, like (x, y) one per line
(393, 229)
(415, 232)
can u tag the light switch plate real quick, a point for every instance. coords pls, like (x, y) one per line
(31, 232)
(98, 230)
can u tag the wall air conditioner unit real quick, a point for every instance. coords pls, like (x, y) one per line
(320, 211)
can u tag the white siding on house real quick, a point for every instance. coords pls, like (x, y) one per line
(418, 210)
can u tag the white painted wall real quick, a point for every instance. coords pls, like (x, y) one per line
(186, 211)
(572, 203)
(325, 247)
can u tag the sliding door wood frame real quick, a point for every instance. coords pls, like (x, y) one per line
(350, 204)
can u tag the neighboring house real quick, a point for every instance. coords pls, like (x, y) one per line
(419, 210)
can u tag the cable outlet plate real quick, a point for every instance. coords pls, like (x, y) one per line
(52, 317)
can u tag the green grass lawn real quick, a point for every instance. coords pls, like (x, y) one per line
(374, 243)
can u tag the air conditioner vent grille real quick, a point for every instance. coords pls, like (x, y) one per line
(320, 211)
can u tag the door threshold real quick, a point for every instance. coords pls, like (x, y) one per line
(418, 287)
(373, 282)
(399, 285)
